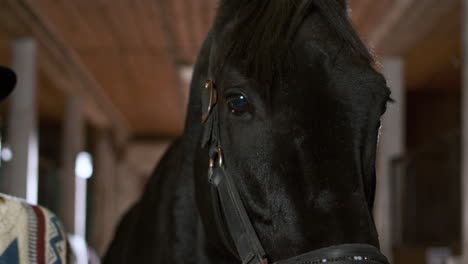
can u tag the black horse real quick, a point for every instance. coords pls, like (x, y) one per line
(277, 161)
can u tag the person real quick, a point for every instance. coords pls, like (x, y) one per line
(29, 233)
(7, 82)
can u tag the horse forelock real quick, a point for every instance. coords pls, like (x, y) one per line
(256, 36)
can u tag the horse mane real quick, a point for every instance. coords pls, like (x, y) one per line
(262, 30)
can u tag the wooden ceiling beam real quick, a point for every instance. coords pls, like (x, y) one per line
(190, 14)
(208, 13)
(389, 22)
(63, 66)
(406, 23)
(170, 34)
(179, 29)
(359, 8)
(171, 16)
(199, 27)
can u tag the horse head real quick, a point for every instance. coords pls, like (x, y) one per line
(288, 96)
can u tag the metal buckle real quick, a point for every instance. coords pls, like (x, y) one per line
(216, 156)
(216, 160)
(213, 99)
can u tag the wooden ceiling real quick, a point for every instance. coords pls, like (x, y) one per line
(434, 63)
(135, 50)
(427, 33)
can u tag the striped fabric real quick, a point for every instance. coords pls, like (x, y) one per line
(30, 234)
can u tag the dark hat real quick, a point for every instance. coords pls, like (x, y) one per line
(7, 82)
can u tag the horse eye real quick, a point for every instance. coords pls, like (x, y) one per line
(238, 104)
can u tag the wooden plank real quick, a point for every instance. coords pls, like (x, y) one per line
(406, 23)
(418, 25)
(113, 37)
(51, 65)
(110, 73)
(210, 9)
(178, 55)
(441, 68)
(198, 27)
(143, 86)
(122, 69)
(153, 27)
(358, 10)
(464, 135)
(176, 12)
(72, 27)
(160, 109)
(366, 15)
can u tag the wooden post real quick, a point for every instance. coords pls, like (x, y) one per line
(391, 146)
(185, 75)
(464, 146)
(104, 195)
(72, 144)
(21, 177)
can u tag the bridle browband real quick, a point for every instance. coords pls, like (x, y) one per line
(232, 221)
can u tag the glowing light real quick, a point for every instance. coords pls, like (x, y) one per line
(32, 187)
(6, 154)
(186, 73)
(84, 165)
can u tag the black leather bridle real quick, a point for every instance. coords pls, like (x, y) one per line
(233, 223)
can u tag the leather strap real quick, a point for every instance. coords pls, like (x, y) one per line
(242, 234)
(232, 221)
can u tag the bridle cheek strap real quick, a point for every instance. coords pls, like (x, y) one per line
(232, 221)
(240, 233)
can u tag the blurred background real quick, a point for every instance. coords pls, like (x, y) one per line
(103, 88)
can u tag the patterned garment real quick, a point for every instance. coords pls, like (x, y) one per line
(30, 234)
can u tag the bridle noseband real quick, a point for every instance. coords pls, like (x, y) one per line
(232, 221)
